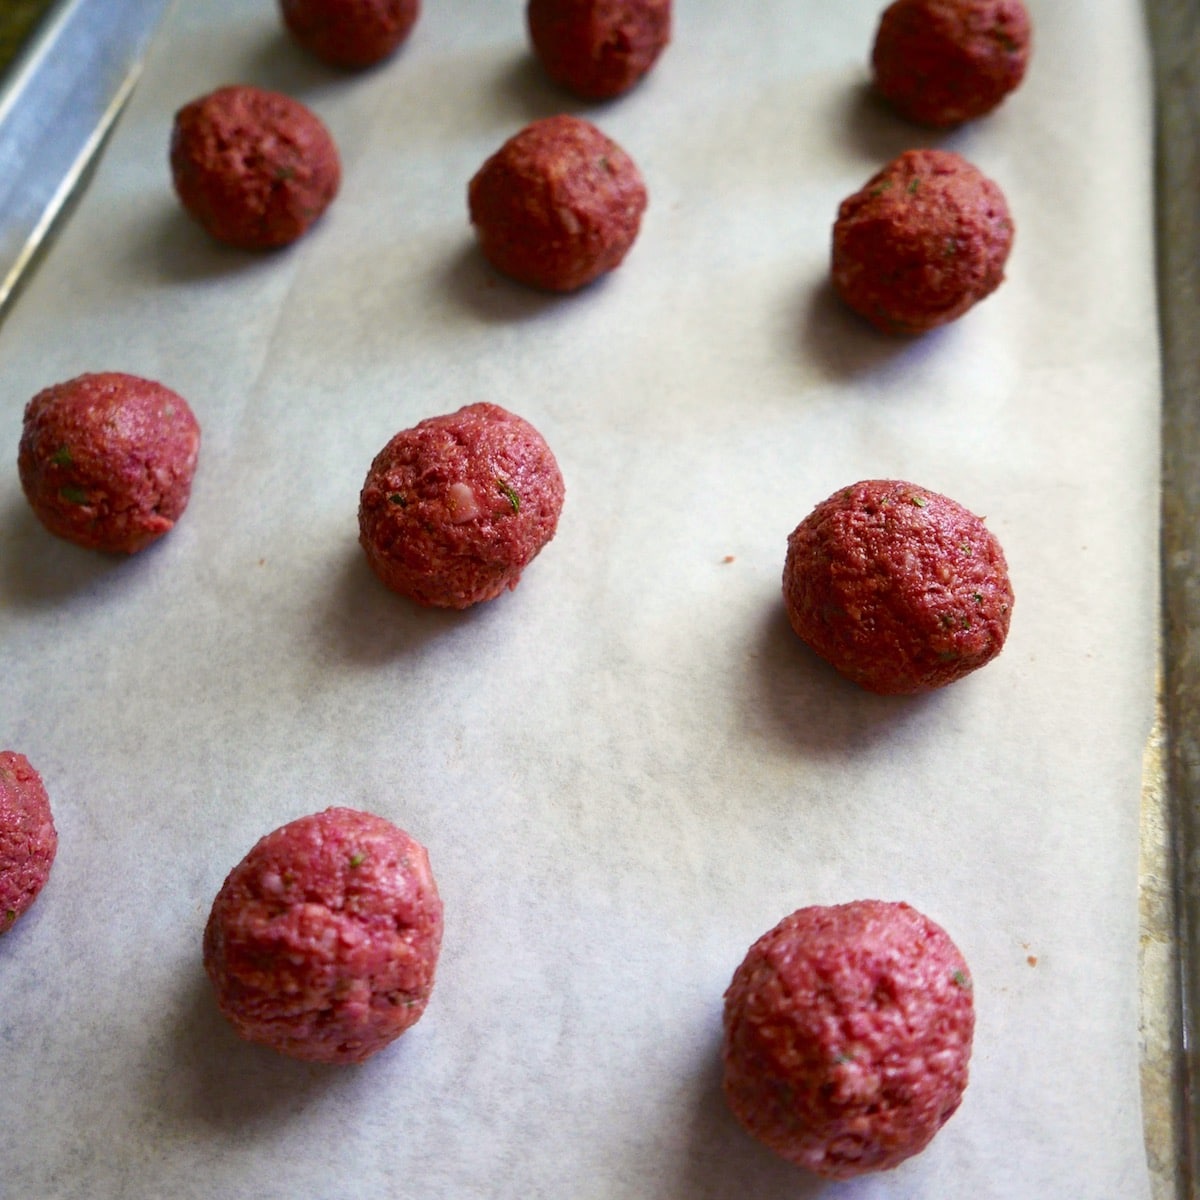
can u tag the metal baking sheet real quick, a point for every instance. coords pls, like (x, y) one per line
(1174, 33)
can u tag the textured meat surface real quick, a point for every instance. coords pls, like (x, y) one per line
(942, 62)
(454, 509)
(28, 841)
(848, 1035)
(254, 168)
(598, 48)
(558, 205)
(106, 460)
(324, 939)
(350, 33)
(923, 241)
(900, 588)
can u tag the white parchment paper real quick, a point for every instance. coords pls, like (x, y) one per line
(628, 769)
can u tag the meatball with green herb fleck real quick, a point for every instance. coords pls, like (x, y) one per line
(254, 168)
(558, 205)
(923, 241)
(900, 589)
(454, 509)
(848, 1034)
(323, 941)
(943, 62)
(106, 460)
(28, 839)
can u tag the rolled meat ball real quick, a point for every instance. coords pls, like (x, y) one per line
(558, 205)
(921, 243)
(106, 460)
(323, 941)
(847, 1036)
(350, 33)
(28, 839)
(598, 49)
(254, 168)
(453, 510)
(943, 62)
(899, 588)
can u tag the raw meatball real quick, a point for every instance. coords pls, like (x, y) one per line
(899, 588)
(456, 508)
(254, 168)
(848, 1035)
(28, 841)
(598, 48)
(942, 62)
(107, 459)
(324, 939)
(924, 240)
(350, 33)
(557, 205)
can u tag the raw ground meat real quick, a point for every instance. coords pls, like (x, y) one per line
(558, 205)
(254, 168)
(901, 589)
(106, 460)
(28, 840)
(923, 241)
(454, 509)
(942, 62)
(848, 1036)
(598, 48)
(350, 33)
(323, 941)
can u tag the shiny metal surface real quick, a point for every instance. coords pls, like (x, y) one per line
(59, 100)
(1175, 36)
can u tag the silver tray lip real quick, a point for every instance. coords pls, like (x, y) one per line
(1174, 27)
(59, 100)
(68, 86)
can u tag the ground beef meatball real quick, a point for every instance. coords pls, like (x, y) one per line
(900, 589)
(922, 242)
(28, 841)
(454, 509)
(254, 168)
(324, 939)
(847, 1036)
(558, 204)
(350, 33)
(598, 48)
(942, 62)
(107, 460)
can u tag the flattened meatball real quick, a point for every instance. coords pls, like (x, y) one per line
(899, 588)
(943, 62)
(925, 240)
(558, 204)
(848, 1035)
(107, 460)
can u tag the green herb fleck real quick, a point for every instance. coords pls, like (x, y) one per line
(285, 173)
(73, 495)
(960, 979)
(952, 247)
(966, 548)
(10, 916)
(913, 185)
(397, 498)
(62, 457)
(881, 187)
(510, 495)
(977, 597)
(357, 858)
(843, 1058)
(919, 501)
